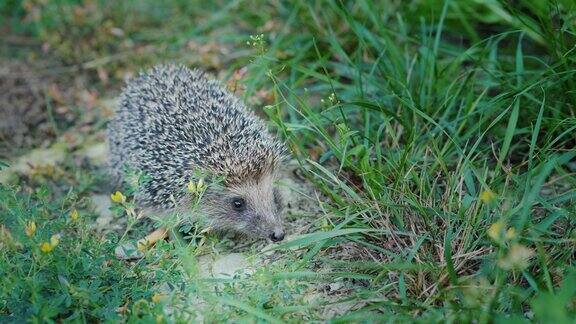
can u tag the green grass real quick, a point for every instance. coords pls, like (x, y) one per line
(441, 134)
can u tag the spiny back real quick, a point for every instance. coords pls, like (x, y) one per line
(172, 120)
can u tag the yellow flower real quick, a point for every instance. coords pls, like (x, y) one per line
(118, 197)
(46, 247)
(487, 196)
(54, 240)
(495, 230)
(200, 185)
(196, 188)
(192, 187)
(510, 234)
(143, 245)
(518, 258)
(156, 298)
(74, 215)
(30, 228)
(498, 232)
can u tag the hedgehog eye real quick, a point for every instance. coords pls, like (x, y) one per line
(239, 204)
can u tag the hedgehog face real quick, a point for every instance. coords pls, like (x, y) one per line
(253, 208)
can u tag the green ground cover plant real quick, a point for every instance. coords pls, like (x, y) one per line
(438, 136)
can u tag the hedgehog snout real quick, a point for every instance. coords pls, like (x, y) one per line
(277, 235)
(272, 226)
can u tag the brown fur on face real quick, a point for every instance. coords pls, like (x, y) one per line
(262, 212)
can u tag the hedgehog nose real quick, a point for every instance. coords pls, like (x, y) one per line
(277, 236)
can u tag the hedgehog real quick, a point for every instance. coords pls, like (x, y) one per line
(172, 122)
